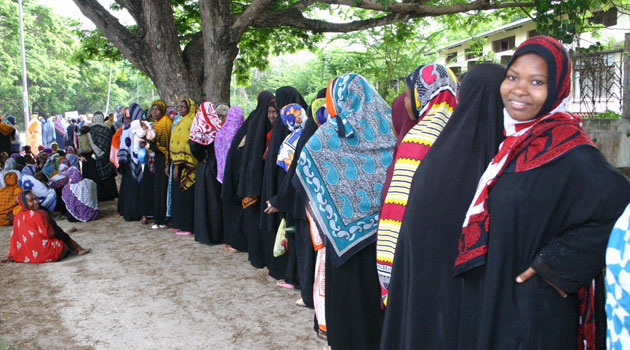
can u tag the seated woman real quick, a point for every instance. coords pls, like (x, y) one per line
(80, 197)
(8, 199)
(36, 182)
(36, 236)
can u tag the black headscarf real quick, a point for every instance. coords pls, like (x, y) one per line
(274, 175)
(287, 95)
(251, 167)
(440, 193)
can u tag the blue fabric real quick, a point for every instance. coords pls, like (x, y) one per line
(343, 166)
(48, 133)
(618, 284)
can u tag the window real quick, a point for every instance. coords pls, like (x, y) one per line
(505, 60)
(532, 33)
(470, 54)
(606, 18)
(451, 57)
(503, 44)
(456, 70)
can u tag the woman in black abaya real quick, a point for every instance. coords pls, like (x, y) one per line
(250, 174)
(284, 267)
(534, 238)
(209, 214)
(160, 146)
(423, 300)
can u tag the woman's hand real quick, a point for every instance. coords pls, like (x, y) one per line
(167, 170)
(270, 209)
(175, 172)
(530, 272)
(82, 159)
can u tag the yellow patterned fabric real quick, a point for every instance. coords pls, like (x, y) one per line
(180, 149)
(163, 131)
(411, 151)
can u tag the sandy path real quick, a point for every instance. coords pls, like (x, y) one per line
(144, 289)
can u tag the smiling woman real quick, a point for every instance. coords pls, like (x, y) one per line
(533, 241)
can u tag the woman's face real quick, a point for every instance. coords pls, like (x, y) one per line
(272, 114)
(32, 202)
(156, 112)
(524, 90)
(182, 108)
(408, 107)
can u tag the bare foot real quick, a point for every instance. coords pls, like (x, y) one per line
(227, 248)
(83, 251)
(72, 230)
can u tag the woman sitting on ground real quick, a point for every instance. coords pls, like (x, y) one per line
(8, 199)
(36, 236)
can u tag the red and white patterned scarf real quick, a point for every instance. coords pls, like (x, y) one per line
(205, 125)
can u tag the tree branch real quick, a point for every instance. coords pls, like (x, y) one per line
(294, 18)
(128, 44)
(416, 9)
(134, 7)
(248, 16)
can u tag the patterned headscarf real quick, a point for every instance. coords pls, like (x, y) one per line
(440, 87)
(180, 149)
(342, 167)
(136, 112)
(294, 117)
(422, 81)
(160, 104)
(98, 118)
(320, 113)
(528, 145)
(171, 111)
(206, 124)
(233, 122)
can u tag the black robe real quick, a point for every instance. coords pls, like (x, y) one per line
(424, 299)
(160, 186)
(106, 189)
(276, 185)
(250, 183)
(351, 325)
(182, 206)
(147, 191)
(208, 207)
(269, 223)
(557, 219)
(130, 205)
(233, 232)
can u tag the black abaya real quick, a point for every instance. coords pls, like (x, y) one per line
(424, 298)
(147, 191)
(160, 187)
(209, 210)
(131, 205)
(234, 235)
(182, 207)
(556, 219)
(353, 314)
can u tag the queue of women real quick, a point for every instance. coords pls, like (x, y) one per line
(467, 216)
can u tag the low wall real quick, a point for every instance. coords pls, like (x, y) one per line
(612, 136)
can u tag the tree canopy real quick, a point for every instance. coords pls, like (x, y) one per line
(56, 81)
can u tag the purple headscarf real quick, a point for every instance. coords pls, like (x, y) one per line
(234, 120)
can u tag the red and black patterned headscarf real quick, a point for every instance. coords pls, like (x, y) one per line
(558, 67)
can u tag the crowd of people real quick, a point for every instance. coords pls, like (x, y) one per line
(472, 214)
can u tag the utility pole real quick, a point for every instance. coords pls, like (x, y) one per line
(24, 82)
(109, 89)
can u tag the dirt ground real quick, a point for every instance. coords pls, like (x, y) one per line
(146, 289)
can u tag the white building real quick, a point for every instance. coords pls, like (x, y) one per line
(597, 78)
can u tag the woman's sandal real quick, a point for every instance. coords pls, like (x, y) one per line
(300, 302)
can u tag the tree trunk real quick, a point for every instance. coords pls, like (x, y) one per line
(220, 49)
